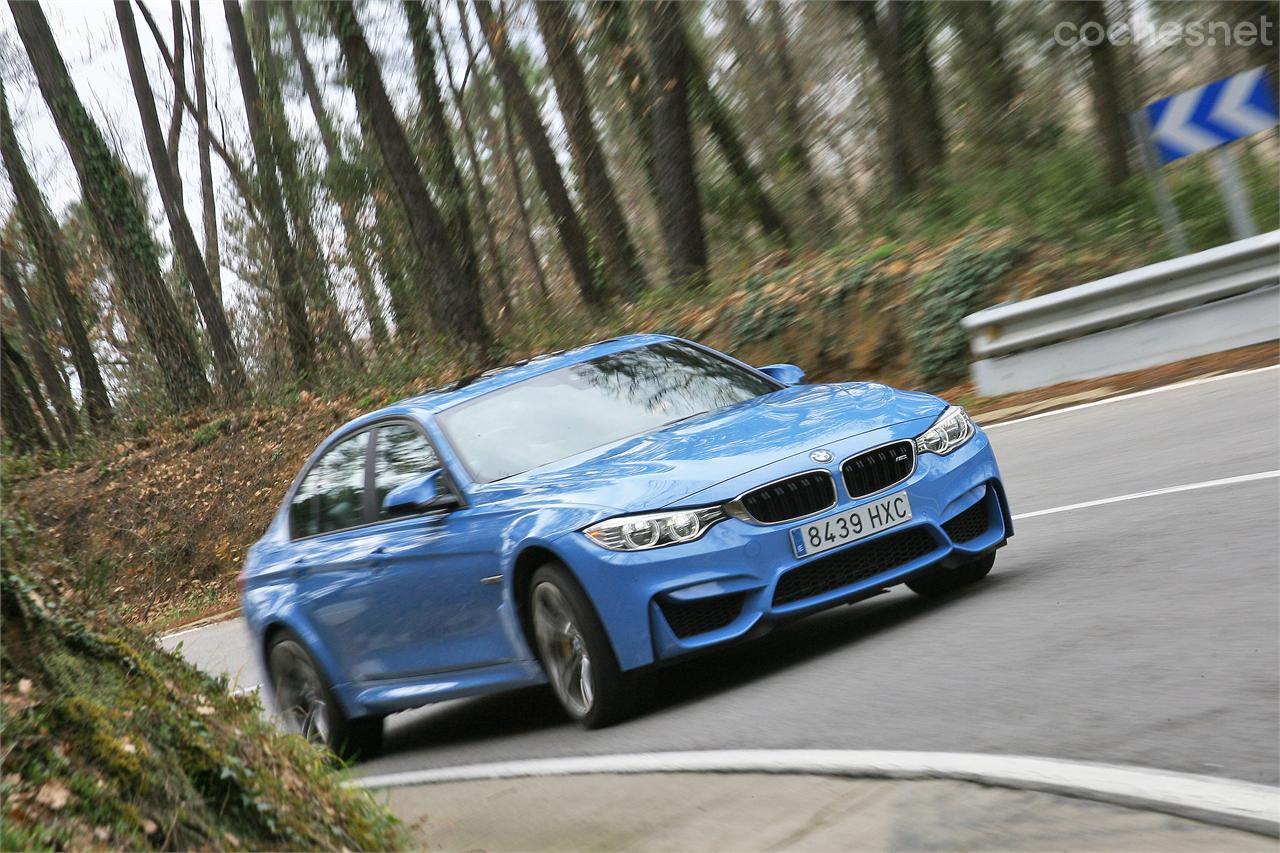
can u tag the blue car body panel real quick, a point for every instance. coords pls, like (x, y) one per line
(421, 609)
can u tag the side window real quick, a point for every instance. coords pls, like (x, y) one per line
(331, 497)
(402, 455)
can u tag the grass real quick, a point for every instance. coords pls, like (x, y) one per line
(112, 742)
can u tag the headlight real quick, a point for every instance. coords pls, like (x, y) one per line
(653, 530)
(948, 432)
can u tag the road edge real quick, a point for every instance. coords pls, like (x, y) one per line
(1230, 803)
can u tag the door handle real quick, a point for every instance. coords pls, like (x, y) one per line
(377, 558)
(298, 568)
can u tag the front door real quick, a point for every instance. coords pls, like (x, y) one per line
(431, 611)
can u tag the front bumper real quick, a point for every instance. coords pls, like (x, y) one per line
(660, 604)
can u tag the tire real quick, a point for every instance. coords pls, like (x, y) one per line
(305, 704)
(942, 581)
(575, 652)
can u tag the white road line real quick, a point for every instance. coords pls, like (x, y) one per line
(1204, 380)
(1168, 490)
(1227, 802)
(187, 631)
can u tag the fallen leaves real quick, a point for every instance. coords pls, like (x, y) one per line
(54, 795)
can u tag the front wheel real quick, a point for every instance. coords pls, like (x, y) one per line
(942, 581)
(575, 652)
(307, 707)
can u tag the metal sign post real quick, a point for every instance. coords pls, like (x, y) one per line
(1165, 205)
(1233, 193)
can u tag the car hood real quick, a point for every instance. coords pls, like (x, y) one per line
(659, 468)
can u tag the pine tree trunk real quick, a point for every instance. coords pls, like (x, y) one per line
(173, 138)
(453, 297)
(20, 423)
(315, 273)
(483, 207)
(608, 224)
(284, 255)
(522, 202)
(119, 219)
(759, 89)
(994, 83)
(67, 425)
(1104, 84)
(442, 166)
(901, 164)
(679, 207)
(909, 24)
(723, 131)
(796, 153)
(226, 359)
(572, 236)
(622, 42)
(208, 202)
(502, 145)
(42, 234)
(337, 166)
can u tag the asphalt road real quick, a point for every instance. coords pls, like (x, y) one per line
(1142, 631)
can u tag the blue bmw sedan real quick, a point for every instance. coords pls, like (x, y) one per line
(580, 517)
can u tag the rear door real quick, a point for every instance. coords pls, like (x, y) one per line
(329, 558)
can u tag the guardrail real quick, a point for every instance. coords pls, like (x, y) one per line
(1215, 300)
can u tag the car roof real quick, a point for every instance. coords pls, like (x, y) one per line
(471, 387)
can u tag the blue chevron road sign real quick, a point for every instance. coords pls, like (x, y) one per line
(1211, 115)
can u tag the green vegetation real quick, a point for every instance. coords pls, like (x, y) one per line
(113, 742)
(945, 297)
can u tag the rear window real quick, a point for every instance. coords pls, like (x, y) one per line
(331, 496)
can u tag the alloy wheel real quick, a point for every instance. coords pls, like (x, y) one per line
(300, 694)
(563, 649)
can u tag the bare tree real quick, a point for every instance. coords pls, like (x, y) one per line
(117, 216)
(453, 297)
(20, 423)
(337, 169)
(679, 206)
(208, 203)
(299, 202)
(65, 427)
(284, 255)
(442, 167)
(226, 359)
(42, 234)
(501, 142)
(572, 236)
(559, 36)
(483, 206)
(173, 138)
(725, 133)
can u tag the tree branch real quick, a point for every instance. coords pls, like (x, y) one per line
(228, 159)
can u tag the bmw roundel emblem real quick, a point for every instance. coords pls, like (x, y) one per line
(820, 456)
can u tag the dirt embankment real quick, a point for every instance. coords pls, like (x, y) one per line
(158, 526)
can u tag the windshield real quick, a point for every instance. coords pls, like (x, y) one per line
(573, 409)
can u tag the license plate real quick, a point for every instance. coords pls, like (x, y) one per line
(850, 525)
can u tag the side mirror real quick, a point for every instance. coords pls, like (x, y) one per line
(787, 374)
(417, 496)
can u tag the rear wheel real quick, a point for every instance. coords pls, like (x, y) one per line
(306, 705)
(575, 652)
(944, 580)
